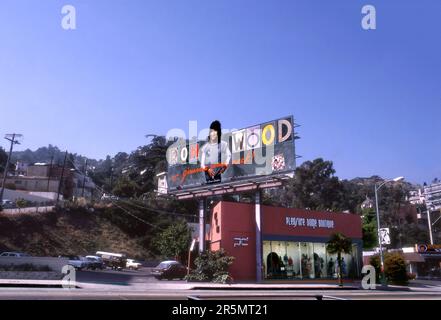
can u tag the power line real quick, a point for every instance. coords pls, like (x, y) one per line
(163, 212)
(131, 214)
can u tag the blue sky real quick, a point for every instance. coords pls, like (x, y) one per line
(368, 100)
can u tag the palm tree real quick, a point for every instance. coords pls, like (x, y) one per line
(339, 244)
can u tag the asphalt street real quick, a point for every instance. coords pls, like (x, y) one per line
(141, 285)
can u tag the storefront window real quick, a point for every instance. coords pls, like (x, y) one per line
(275, 266)
(319, 257)
(349, 264)
(305, 260)
(293, 260)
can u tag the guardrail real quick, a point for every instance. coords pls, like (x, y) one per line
(29, 210)
(55, 264)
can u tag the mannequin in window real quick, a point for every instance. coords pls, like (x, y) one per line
(330, 267)
(343, 266)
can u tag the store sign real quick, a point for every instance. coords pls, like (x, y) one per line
(384, 236)
(309, 223)
(265, 149)
(240, 242)
(429, 248)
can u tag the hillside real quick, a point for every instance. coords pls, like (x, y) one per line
(75, 232)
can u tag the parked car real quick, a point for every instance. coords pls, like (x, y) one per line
(14, 254)
(7, 204)
(95, 262)
(133, 264)
(116, 261)
(169, 270)
(77, 262)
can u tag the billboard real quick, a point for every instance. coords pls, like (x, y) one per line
(261, 150)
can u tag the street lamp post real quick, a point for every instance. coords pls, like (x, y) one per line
(383, 278)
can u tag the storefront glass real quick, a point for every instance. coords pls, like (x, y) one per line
(305, 260)
(319, 258)
(293, 256)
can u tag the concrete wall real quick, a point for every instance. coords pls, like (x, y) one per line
(235, 220)
(56, 264)
(34, 183)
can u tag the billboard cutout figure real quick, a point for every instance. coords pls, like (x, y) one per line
(215, 155)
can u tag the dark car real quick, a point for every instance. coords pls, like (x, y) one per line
(95, 262)
(169, 270)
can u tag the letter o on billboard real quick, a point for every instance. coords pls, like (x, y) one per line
(268, 129)
(253, 140)
(184, 154)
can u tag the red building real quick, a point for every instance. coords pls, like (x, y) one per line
(293, 241)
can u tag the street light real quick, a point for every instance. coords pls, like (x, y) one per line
(383, 279)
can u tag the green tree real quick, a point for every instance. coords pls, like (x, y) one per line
(369, 225)
(338, 244)
(20, 203)
(315, 187)
(126, 188)
(3, 159)
(174, 241)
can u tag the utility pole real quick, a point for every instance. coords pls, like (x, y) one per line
(49, 173)
(61, 178)
(84, 179)
(12, 139)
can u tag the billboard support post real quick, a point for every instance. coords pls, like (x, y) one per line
(201, 225)
(258, 238)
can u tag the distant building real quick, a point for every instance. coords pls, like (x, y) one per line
(43, 177)
(416, 197)
(367, 204)
(21, 168)
(40, 184)
(422, 260)
(432, 195)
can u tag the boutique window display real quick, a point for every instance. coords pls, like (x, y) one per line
(319, 258)
(305, 260)
(293, 260)
(275, 259)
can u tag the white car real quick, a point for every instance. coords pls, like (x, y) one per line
(132, 264)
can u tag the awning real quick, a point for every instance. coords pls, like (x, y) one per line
(413, 257)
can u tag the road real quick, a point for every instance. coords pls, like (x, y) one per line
(140, 285)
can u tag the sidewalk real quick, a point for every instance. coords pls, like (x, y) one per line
(180, 285)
